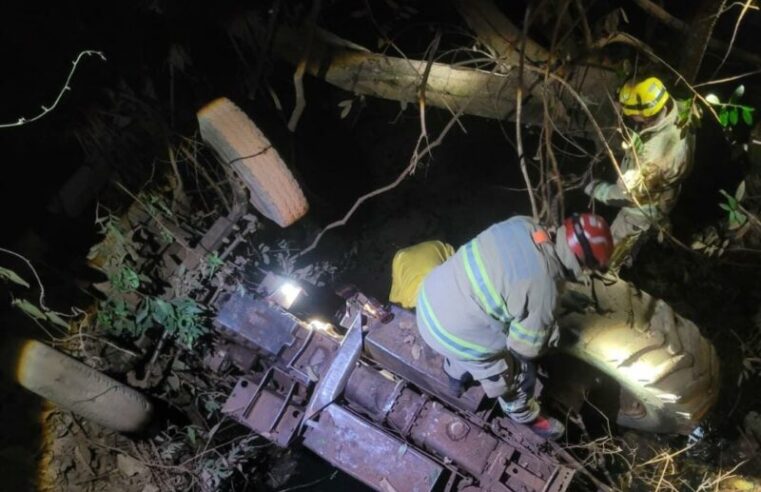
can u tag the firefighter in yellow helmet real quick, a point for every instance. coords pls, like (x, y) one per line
(658, 156)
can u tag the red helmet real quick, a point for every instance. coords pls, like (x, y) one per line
(589, 238)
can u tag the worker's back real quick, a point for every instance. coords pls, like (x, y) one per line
(467, 304)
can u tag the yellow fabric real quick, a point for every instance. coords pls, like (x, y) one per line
(410, 267)
(644, 98)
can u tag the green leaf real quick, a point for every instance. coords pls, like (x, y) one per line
(142, 312)
(104, 318)
(736, 220)
(56, 320)
(161, 311)
(741, 218)
(724, 117)
(12, 276)
(740, 191)
(731, 200)
(345, 107)
(126, 280)
(725, 207)
(29, 309)
(713, 99)
(747, 115)
(733, 116)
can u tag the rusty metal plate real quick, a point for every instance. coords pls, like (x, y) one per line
(310, 356)
(398, 347)
(441, 431)
(256, 322)
(264, 411)
(370, 455)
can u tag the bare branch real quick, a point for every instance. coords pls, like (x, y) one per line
(518, 105)
(45, 109)
(734, 36)
(298, 75)
(679, 25)
(417, 154)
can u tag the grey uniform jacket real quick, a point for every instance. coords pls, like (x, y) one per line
(497, 292)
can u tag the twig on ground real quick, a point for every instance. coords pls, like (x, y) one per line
(177, 192)
(199, 168)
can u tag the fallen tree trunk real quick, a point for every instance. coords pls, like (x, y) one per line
(472, 91)
(490, 94)
(500, 35)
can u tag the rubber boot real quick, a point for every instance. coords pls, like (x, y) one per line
(547, 427)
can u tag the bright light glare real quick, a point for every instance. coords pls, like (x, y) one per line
(323, 327)
(668, 397)
(316, 324)
(289, 292)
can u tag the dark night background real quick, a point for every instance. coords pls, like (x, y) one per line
(166, 59)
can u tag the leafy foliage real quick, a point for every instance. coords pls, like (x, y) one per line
(735, 217)
(181, 317)
(116, 317)
(212, 264)
(730, 112)
(125, 280)
(129, 310)
(12, 276)
(39, 314)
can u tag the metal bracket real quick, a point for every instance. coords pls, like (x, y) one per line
(334, 381)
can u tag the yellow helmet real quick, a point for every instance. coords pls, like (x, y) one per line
(644, 98)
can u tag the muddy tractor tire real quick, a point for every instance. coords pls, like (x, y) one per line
(74, 386)
(667, 371)
(238, 142)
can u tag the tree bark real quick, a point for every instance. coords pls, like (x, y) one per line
(472, 91)
(497, 32)
(490, 94)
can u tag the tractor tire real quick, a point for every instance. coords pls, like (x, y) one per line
(74, 386)
(667, 371)
(239, 143)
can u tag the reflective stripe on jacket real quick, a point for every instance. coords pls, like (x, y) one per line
(497, 292)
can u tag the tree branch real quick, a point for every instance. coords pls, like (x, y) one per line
(476, 92)
(669, 20)
(45, 110)
(518, 105)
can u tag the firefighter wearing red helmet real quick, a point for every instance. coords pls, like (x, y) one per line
(489, 308)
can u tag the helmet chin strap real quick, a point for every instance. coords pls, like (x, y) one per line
(578, 231)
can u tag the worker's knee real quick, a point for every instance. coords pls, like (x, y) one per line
(454, 369)
(496, 386)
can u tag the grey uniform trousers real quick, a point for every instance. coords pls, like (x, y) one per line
(514, 387)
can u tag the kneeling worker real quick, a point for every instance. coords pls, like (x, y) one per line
(489, 308)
